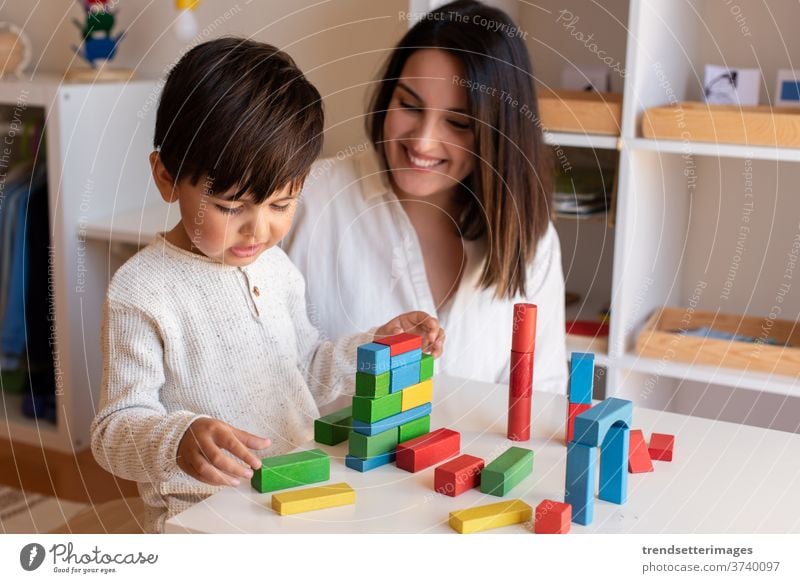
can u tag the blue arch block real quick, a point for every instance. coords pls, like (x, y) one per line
(614, 465)
(579, 487)
(592, 425)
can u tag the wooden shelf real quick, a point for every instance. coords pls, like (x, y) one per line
(580, 112)
(133, 227)
(581, 140)
(714, 149)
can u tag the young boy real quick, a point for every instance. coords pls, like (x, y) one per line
(208, 350)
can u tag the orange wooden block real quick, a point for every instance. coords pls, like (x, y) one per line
(429, 449)
(661, 445)
(573, 410)
(552, 517)
(639, 461)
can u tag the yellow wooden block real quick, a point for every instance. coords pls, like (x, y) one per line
(308, 499)
(417, 395)
(490, 516)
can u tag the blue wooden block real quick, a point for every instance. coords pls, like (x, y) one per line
(581, 377)
(403, 377)
(407, 358)
(393, 421)
(579, 487)
(592, 425)
(374, 358)
(356, 463)
(614, 465)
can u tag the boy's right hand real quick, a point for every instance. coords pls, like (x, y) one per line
(200, 452)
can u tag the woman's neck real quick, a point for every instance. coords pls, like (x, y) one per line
(441, 207)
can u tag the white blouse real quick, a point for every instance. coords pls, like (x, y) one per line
(363, 265)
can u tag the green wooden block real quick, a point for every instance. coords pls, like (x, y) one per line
(335, 427)
(368, 385)
(367, 446)
(426, 367)
(414, 429)
(291, 470)
(499, 477)
(372, 410)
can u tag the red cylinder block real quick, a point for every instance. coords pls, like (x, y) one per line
(519, 418)
(521, 377)
(523, 337)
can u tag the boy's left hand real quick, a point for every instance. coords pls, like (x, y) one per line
(418, 323)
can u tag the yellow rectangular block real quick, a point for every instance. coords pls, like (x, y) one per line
(417, 395)
(490, 516)
(308, 499)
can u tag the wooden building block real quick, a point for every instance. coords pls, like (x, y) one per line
(506, 471)
(372, 386)
(523, 328)
(416, 395)
(581, 377)
(552, 517)
(573, 410)
(406, 358)
(639, 461)
(427, 450)
(426, 367)
(591, 426)
(490, 516)
(308, 499)
(403, 376)
(580, 480)
(291, 470)
(614, 465)
(335, 427)
(373, 358)
(661, 446)
(414, 429)
(520, 381)
(400, 343)
(458, 475)
(365, 465)
(367, 446)
(393, 421)
(372, 410)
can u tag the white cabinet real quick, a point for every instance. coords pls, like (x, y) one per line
(97, 140)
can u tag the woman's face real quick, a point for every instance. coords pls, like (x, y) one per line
(428, 133)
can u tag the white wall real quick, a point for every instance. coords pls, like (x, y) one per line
(339, 43)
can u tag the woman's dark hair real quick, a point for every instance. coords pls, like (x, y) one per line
(239, 114)
(507, 196)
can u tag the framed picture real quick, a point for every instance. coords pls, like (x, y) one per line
(787, 89)
(727, 86)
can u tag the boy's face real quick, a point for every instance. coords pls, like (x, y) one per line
(233, 232)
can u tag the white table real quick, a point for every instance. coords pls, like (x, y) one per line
(724, 478)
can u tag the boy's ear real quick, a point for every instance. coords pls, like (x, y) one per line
(163, 179)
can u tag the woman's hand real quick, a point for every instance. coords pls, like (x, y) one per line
(201, 455)
(418, 323)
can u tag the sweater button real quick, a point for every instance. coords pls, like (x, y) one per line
(256, 291)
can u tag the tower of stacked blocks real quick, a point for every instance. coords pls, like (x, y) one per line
(392, 403)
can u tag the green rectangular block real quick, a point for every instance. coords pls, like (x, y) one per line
(292, 470)
(335, 427)
(372, 410)
(514, 465)
(426, 367)
(373, 386)
(414, 429)
(367, 446)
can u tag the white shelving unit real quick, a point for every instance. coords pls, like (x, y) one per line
(98, 137)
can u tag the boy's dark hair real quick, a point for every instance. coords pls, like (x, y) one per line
(239, 114)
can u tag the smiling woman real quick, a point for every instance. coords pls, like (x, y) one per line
(449, 211)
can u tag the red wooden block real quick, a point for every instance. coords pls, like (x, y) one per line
(521, 379)
(552, 517)
(400, 343)
(639, 461)
(573, 410)
(427, 450)
(519, 418)
(661, 445)
(459, 475)
(523, 328)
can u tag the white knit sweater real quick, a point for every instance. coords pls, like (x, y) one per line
(185, 337)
